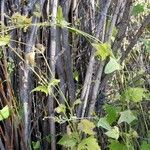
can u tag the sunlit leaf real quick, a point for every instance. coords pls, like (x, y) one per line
(134, 94)
(146, 43)
(41, 88)
(104, 123)
(4, 113)
(86, 126)
(126, 116)
(69, 141)
(76, 75)
(4, 40)
(112, 66)
(60, 19)
(113, 133)
(103, 50)
(21, 21)
(89, 143)
(61, 108)
(54, 82)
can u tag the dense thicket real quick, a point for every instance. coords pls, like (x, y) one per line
(70, 70)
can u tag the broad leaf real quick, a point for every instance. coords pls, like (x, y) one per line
(104, 123)
(145, 146)
(115, 145)
(41, 88)
(134, 94)
(89, 143)
(112, 113)
(102, 50)
(4, 113)
(69, 141)
(126, 116)
(137, 9)
(113, 133)
(112, 66)
(4, 40)
(86, 126)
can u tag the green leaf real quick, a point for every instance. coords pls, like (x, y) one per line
(89, 143)
(102, 50)
(115, 145)
(103, 123)
(46, 88)
(137, 9)
(41, 88)
(76, 102)
(4, 113)
(4, 40)
(76, 75)
(21, 21)
(54, 82)
(134, 94)
(61, 108)
(60, 19)
(126, 116)
(113, 133)
(112, 113)
(59, 14)
(112, 66)
(145, 146)
(69, 141)
(86, 126)
(36, 145)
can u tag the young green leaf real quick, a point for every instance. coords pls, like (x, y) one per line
(113, 133)
(59, 14)
(41, 88)
(4, 40)
(4, 113)
(134, 94)
(102, 50)
(103, 123)
(126, 116)
(61, 109)
(112, 66)
(69, 141)
(145, 145)
(146, 43)
(89, 143)
(86, 126)
(21, 21)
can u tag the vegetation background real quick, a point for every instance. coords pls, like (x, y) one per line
(75, 74)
